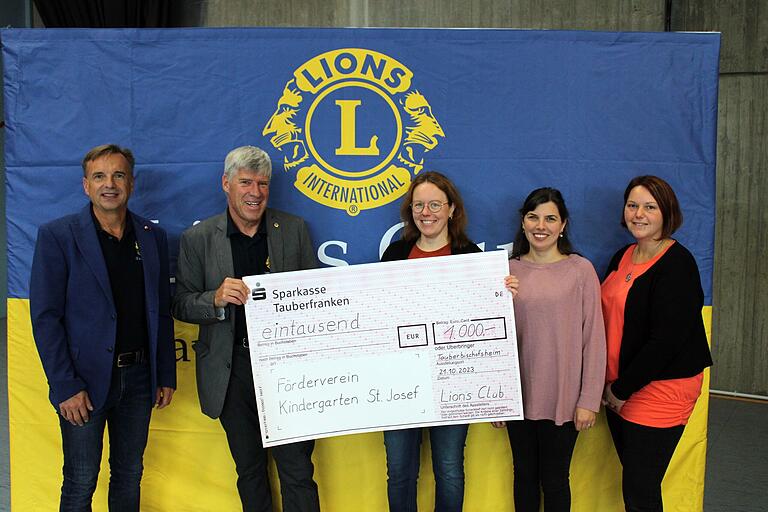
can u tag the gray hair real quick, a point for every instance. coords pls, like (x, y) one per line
(248, 157)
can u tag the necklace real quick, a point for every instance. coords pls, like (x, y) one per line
(656, 251)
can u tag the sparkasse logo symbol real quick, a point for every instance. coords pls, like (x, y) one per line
(258, 293)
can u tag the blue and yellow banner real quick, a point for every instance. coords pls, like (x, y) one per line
(350, 116)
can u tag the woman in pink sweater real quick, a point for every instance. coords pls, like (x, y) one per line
(561, 345)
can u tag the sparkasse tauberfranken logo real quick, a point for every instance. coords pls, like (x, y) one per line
(352, 127)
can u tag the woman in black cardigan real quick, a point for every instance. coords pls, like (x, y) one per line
(657, 348)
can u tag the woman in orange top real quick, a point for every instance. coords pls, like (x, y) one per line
(657, 347)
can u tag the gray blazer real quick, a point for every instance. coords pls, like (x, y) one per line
(205, 259)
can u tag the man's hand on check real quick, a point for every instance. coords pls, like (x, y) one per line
(231, 291)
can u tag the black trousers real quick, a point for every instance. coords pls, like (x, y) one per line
(240, 420)
(542, 454)
(644, 453)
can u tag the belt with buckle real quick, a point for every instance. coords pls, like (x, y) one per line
(130, 358)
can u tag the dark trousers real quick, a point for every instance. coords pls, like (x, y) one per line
(240, 420)
(542, 458)
(644, 453)
(126, 415)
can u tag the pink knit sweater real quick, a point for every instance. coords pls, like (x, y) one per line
(561, 337)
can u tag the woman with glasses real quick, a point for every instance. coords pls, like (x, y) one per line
(561, 346)
(435, 220)
(657, 347)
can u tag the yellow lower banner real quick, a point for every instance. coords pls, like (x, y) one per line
(187, 466)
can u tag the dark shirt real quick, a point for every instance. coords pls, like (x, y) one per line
(126, 278)
(249, 257)
(401, 249)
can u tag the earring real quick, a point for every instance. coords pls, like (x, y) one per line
(561, 234)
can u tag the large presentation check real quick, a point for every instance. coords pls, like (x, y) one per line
(383, 346)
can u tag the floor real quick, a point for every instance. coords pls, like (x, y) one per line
(737, 456)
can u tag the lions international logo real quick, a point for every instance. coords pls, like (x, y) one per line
(354, 130)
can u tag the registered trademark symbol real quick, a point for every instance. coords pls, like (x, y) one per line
(353, 210)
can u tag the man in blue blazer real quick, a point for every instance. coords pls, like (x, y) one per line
(100, 306)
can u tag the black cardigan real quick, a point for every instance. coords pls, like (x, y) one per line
(400, 249)
(663, 335)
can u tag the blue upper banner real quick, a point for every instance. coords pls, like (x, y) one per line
(350, 116)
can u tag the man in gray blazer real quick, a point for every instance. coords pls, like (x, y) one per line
(247, 239)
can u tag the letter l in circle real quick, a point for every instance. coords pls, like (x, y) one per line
(348, 140)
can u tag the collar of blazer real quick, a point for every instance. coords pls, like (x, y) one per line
(275, 242)
(87, 241)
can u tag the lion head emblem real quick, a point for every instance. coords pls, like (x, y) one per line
(286, 136)
(421, 135)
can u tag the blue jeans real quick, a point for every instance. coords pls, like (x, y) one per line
(126, 414)
(403, 457)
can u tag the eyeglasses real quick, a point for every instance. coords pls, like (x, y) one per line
(434, 206)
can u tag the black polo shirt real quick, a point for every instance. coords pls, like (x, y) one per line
(126, 278)
(250, 257)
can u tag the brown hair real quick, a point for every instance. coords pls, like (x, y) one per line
(108, 149)
(534, 199)
(671, 216)
(456, 225)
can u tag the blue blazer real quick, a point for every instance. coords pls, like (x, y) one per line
(74, 319)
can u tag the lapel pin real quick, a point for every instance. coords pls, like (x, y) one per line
(276, 225)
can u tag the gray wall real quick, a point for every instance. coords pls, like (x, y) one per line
(559, 14)
(15, 13)
(740, 328)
